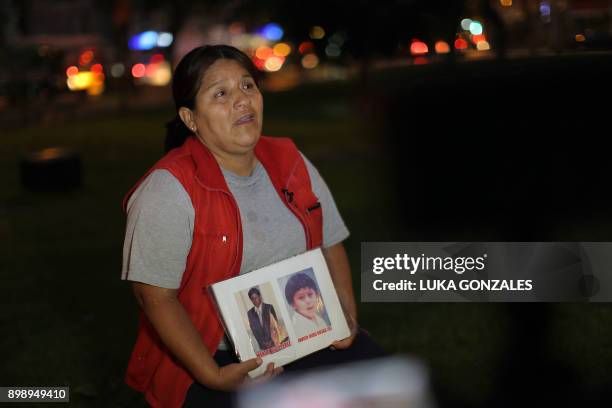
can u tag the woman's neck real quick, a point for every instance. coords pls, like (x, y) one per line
(242, 166)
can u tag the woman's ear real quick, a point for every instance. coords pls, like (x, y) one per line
(186, 116)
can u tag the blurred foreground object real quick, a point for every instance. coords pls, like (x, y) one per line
(51, 169)
(382, 383)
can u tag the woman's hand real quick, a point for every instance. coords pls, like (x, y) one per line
(340, 272)
(233, 376)
(346, 343)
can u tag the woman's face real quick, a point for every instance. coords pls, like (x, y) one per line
(228, 110)
(305, 302)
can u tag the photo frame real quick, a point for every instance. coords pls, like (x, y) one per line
(281, 312)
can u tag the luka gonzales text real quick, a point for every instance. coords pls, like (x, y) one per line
(449, 284)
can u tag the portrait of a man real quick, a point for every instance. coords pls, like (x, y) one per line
(259, 319)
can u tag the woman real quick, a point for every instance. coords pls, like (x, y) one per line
(224, 200)
(302, 294)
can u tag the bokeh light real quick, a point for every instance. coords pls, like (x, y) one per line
(310, 61)
(164, 39)
(332, 50)
(420, 60)
(236, 28)
(475, 28)
(465, 24)
(97, 68)
(281, 50)
(483, 46)
(505, 3)
(86, 57)
(461, 44)
(88, 81)
(138, 70)
(337, 39)
(442, 47)
(317, 32)
(274, 63)
(478, 38)
(143, 41)
(150, 69)
(580, 38)
(264, 52)
(272, 32)
(157, 58)
(418, 48)
(117, 70)
(72, 70)
(161, 75)
(305, 47)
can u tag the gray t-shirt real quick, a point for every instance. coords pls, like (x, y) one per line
(160, 225)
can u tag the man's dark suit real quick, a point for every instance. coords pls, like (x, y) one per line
(262, 332)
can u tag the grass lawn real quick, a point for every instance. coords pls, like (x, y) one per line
(69, 320)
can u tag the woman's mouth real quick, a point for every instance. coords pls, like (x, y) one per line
(245, 119)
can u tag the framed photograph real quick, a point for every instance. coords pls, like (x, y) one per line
(281, 312)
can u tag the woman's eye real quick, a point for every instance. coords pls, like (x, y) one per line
(219, 94)
(247, 85)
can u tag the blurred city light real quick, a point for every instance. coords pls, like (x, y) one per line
(465, 24)
(483, 46)
(442, 47)
(545, 11)
(337, 39)
(256, 41)
(272, 32)
(505, 3)
(461, 44)
(157, 58)
(138, 70)
(97, 68)
(143, 41)
(317, 32)
(236, 28)
(86, 57)
(305, 47)
(92, 82)
(117, 70)
(281, 49)
(274, 63)
(150, 70)
(580, 37)
(475, 28)
(160, 74)
(332, 50)
(259, 63)
(418, 48)
(478, 38)
(310, 61)
(264, 52)
(72, 70)
(164, 40)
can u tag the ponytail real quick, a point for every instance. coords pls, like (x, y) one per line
(176, 134)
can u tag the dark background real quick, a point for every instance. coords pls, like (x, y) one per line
(506, 145)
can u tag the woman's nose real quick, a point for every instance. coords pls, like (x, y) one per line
(241, 101)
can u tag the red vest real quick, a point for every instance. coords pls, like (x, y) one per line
(216, 252)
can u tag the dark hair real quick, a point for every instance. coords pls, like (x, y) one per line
(253, 291)
(296, 282)
(188, 78)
